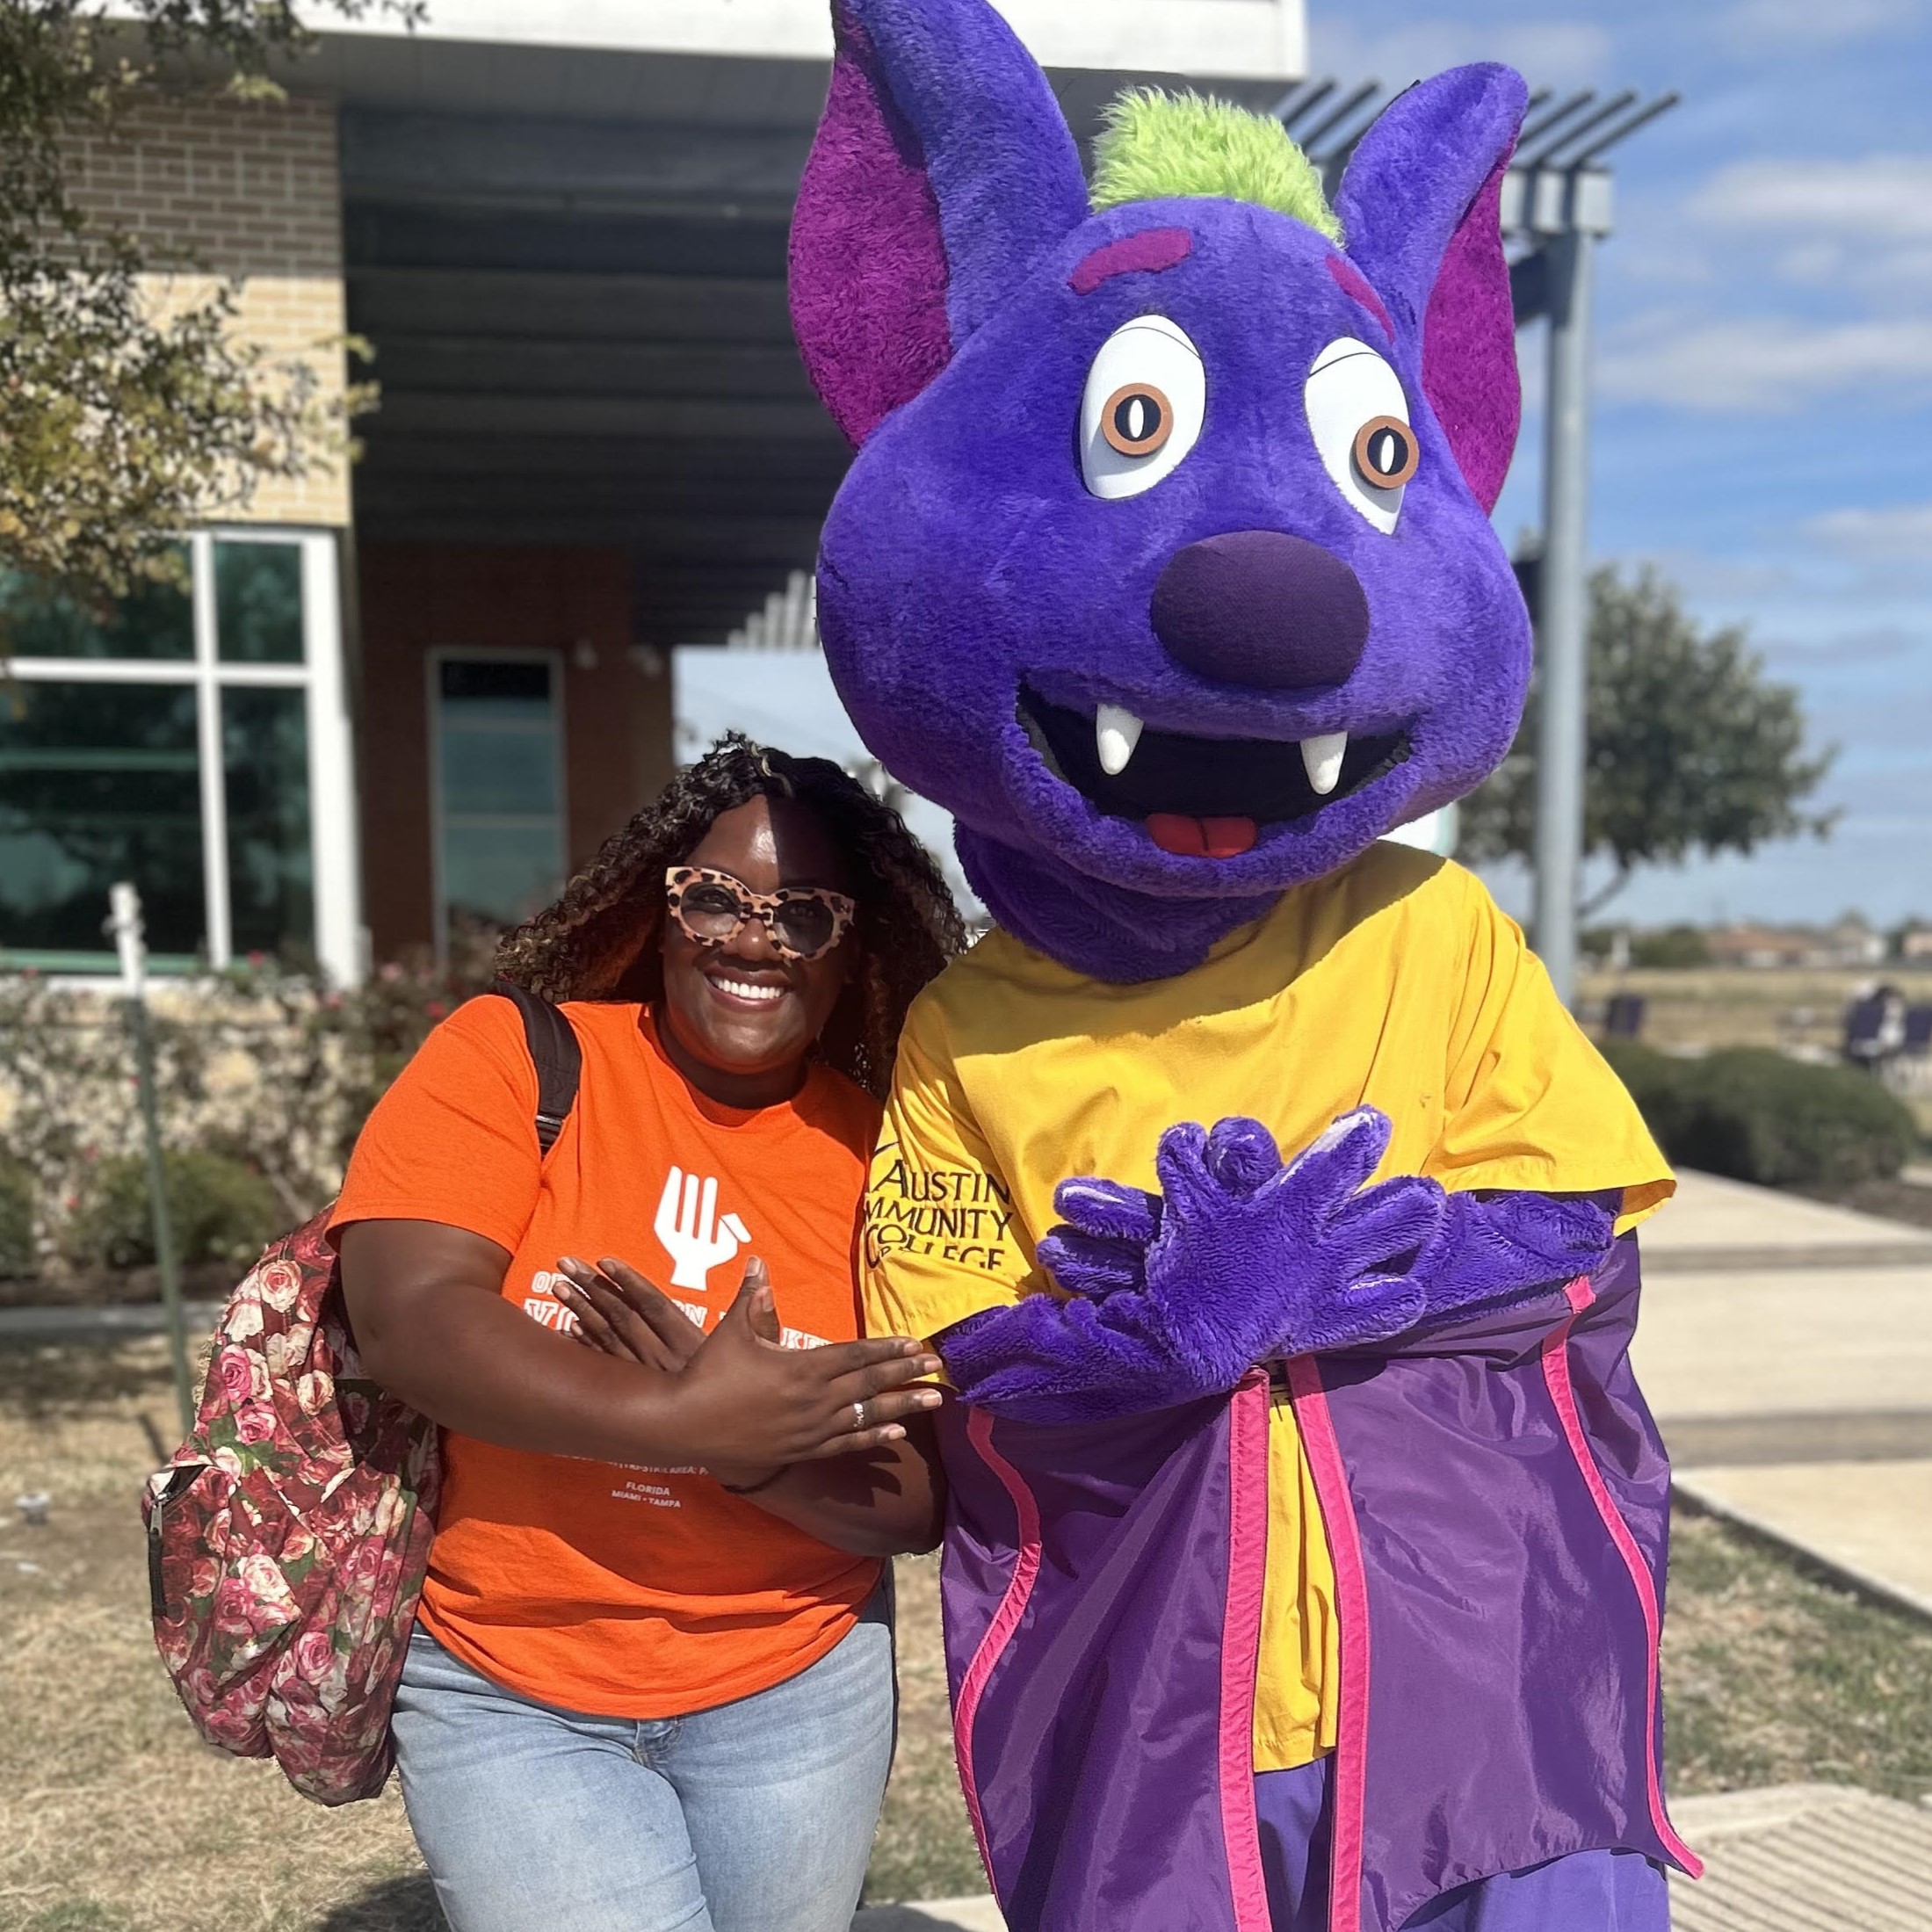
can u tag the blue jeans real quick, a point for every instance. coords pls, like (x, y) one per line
(753, 1817)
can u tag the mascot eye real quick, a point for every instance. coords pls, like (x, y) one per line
(1359, 419)
(1385, 452)
(1146, 401)
(1138, 420)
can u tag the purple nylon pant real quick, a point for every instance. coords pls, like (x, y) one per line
(1588, 1891)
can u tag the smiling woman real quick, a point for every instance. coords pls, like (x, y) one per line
(665, 1508)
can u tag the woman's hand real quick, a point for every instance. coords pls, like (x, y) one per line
(619, 1312)
(745, 1406)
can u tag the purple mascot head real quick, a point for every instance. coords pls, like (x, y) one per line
(1165, 562)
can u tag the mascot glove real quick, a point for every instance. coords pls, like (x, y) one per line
(1489, 1250)
(1249, 1259)
(1240, 1260)
(1497, 1250)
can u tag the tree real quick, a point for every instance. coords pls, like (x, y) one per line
(120, 424)
(1691, 748)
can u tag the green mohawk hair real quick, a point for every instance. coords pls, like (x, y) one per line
(1157, 147)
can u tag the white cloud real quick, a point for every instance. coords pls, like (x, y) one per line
(1882, 198)
(1761, 365)
(1549, 53)
(1875, 644)
(1752, 25)
(1896, 533)
(1835, 223)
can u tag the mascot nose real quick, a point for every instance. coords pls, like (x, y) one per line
(1259, 607)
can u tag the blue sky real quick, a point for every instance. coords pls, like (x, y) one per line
(1764, 374)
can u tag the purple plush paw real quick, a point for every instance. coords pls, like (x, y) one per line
(1257, 1258)
(1307, 1257)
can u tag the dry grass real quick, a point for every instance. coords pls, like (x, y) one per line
(1773, 1677)
(1712, 1006)
(1699, 1009)
(924, 1849)
(113, 1817)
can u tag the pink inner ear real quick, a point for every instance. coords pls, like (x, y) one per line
(1469, 347)
(1348, 279)
(868, 267)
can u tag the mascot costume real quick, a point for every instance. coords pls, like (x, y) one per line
(1306, 1559)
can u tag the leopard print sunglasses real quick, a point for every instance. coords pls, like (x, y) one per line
(804, 922)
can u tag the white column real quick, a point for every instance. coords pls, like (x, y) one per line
(334, 831)
(214, 804)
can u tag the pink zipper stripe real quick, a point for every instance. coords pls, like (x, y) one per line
(1352, 1751)
(1247, 1425)
(1556, 1375)
(1006, 1620)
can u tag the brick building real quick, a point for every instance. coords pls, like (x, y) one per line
(410, 697)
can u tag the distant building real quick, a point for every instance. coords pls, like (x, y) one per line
(1849, 943)
(413, 698)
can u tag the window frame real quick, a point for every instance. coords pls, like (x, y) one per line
(439, 656)
(340, 942)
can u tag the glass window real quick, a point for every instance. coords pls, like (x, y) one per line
(39, 620)
(272, 874)
(98, 783)
(499, 801)
(259, 603)
(105, 718)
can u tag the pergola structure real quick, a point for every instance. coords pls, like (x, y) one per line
(580, 315)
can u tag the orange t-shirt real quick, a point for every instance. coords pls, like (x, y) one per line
(622, 1591)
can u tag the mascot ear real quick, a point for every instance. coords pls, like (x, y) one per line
(1421, 205)
(942, 167)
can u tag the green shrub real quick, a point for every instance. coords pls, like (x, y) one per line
(222, 1211)
(16, 1220)
(1673, 947)
(1754, 1115)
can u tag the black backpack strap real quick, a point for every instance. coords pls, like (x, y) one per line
(557, 1054)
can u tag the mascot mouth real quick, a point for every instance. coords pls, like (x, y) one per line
(1209, 798)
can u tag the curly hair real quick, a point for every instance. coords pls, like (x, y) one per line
(601, 940)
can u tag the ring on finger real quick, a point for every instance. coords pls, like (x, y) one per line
(858, 1416)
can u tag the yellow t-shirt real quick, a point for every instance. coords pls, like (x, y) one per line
(1396, 983)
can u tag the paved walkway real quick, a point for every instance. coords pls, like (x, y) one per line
(109, 1323)
(1786, 1349)
(1806, 1858)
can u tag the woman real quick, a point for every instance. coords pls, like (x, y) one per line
(651, 1686)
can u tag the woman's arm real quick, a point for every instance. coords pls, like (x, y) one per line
(427, 1308)
(888, 1501)
(891, 1501)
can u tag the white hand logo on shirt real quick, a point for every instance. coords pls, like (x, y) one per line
(694, 1237)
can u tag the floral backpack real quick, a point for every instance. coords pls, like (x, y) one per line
(288, 1539)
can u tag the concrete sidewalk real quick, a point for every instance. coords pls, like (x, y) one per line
(1713, 1223)
(1823, 1857)
(1786, 1350)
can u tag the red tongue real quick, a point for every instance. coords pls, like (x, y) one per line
(1201, 838)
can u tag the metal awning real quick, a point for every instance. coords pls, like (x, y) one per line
(573, 274)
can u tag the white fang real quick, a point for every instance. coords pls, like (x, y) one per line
(1116, 734)
(1322, 757)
